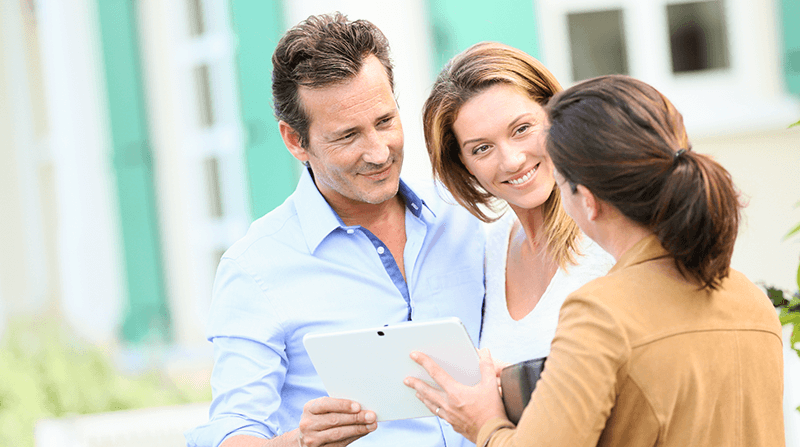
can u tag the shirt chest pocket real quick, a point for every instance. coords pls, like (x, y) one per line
(464, 278)
(456, 293)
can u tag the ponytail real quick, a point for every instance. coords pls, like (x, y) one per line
(697, 217)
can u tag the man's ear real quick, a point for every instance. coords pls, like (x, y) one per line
(591, 205)
(292, 141)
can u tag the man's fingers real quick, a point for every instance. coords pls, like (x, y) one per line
(339, 435)
(327, 421)
(323, 405)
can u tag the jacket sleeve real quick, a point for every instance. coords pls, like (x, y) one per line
(579, 384)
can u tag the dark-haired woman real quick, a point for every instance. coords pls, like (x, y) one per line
(672, 347)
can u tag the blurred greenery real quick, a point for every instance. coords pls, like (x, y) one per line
(789, 304)
(45, 372)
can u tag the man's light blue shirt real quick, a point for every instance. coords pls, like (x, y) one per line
(299, 269)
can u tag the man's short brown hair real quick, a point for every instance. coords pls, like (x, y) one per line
(321, 51)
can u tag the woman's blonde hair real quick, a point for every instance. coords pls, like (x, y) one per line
(467, 74)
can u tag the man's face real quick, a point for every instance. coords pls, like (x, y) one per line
(355, 140)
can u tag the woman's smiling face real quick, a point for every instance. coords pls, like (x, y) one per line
(501, 133)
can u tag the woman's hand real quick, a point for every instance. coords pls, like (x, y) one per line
(466, 408)
(499, 365)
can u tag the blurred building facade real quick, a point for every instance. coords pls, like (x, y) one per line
(138, 140)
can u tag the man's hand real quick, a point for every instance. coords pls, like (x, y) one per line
(333, 422)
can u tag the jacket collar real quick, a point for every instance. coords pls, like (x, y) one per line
(645, 250)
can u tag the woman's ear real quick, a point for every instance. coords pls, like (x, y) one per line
(292, 141)
(592, 206)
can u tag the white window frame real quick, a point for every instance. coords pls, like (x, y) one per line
(192, 238)
(748, 95)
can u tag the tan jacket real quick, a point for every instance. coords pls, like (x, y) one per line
(642, 358)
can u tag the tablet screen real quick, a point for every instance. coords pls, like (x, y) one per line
(368, 365)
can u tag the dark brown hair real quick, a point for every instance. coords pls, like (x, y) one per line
(466, 75)
(321, 51)
(626, 143)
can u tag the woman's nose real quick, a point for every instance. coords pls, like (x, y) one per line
(513, 158)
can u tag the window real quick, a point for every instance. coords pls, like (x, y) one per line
(697, 36)
(197, 25)
(202, 80)
(597, 44)
(211, 168)
(702, 54)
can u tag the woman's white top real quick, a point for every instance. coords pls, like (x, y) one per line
(529, 338)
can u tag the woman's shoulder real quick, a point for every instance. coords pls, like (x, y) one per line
(593, 257)
(497, 232)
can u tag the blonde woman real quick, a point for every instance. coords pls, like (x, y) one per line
(485, 132)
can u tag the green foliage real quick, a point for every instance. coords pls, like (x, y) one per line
(795, 124)
(46, 373)
(789, 305)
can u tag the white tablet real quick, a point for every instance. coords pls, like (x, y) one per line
(368, 365)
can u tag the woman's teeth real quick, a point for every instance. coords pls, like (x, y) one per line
(524, 178)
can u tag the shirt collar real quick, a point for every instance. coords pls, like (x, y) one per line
(318, 219)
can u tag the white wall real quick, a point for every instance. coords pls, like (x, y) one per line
(765, 167)
(22, 250)
(89, 256)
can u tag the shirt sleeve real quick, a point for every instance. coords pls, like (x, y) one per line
(249, 360)
(578, 387)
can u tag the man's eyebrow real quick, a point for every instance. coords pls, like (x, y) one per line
(335, 135)
(340, 133)
(390, 114)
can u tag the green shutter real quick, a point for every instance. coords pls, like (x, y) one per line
(790, 14)
(457, 24)
(147, 316)
(272, 170)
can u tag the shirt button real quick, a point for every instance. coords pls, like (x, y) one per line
(351, 231)
(381, 250)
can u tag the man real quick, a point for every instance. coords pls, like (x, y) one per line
(352, 247)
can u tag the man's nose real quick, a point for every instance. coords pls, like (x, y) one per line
(376, 150)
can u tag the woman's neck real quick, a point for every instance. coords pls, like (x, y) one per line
(616, 234)
(531, 228)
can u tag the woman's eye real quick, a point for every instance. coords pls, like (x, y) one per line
(479, 149)
(522, 129)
